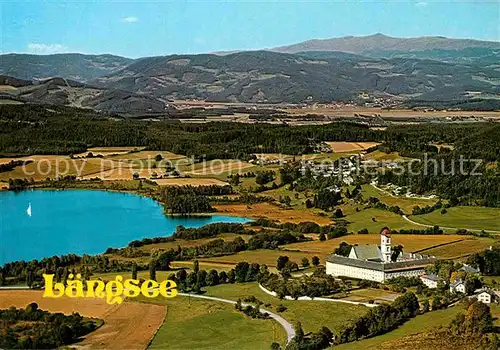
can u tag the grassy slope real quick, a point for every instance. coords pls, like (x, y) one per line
(312, 314)
(363, 219)
(406, 204)
(421, 323)
(461, 249)
(195, 324)
(479, 218)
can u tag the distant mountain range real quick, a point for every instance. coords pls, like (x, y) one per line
(73, 66)
(424, 69)
(365, 45)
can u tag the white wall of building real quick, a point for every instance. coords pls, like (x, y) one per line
(429, 283)
(368, 274)
(484, 298)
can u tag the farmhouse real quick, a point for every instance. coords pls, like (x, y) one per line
(431, 280)
(486, 295)
(374, 263)
(458, 286)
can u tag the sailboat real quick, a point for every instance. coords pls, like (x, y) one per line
(29, 210)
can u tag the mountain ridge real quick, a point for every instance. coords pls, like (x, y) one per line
(378, 41)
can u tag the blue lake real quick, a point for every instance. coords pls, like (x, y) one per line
(82, 221)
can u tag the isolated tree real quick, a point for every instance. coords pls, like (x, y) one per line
(338, 213)
(29, 278)
(196, 266)
(134, 271)
(281, 262)
(305, 262)
(152, 271)
(158, 157)
(315, 260)
(322, 236)
(31, 307)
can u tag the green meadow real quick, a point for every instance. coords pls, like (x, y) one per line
(194, 324)
(478, 218)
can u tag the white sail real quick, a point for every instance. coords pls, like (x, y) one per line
(29, 210)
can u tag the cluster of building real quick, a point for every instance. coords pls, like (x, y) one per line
(374, 263)
(484, 295)
(378, 263)
(343, 169)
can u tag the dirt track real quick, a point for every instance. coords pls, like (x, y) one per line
(126, 326)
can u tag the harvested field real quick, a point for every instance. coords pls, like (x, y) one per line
(124, 173)
(217, 167)
(411, 243)
(54, 166)
(149, 154)
(272, 212)
(365, 295)
(190, 181)
(350, 146)
(129, 325)
(261, 256)
(462, 248)
(384, 113)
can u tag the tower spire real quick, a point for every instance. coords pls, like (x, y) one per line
(385, 244)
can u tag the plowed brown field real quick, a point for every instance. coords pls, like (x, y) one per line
(126, 326)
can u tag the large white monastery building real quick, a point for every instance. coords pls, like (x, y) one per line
(374, 263)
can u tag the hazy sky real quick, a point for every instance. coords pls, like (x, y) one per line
(147, 28)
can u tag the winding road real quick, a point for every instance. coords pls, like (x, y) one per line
(290, 332)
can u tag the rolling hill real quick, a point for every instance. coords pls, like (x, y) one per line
(433, 69)
(73, 66)
(263, 76)
(379, 42)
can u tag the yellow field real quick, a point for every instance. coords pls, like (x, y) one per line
(411, 243)
(272, 212)
(108, 151)
(189, 181)
(381, 156)
(216, 167)
(461, 249)
(191, 243)
(7, 88)
(149, 154)
(128, 325)
(350, 146)
(354, 111)
(55, 166)
(261, 256)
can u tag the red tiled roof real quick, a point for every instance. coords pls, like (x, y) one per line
(386, 232)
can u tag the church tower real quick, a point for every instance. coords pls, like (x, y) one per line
(385, 244)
